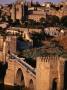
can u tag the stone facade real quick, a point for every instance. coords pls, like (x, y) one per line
(50, 69)
(1, 43)
(19, 11)
(49, 72)
(37, 15)
(13, 13)
(12, 43)
(15, 72)
(8, 45)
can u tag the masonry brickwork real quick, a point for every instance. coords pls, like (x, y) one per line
(48, 69)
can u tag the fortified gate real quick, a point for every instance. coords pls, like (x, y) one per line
(49, 74)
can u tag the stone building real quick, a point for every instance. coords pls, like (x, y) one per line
(50, 73)
(19, 10)
(36, 15)
(53, 31)
(13, 14)
(1, 43)
(50, 70)
(40, 12)
(7, 45)
(16, 11)
(62, 10)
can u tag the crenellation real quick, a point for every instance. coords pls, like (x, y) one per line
(47, 68)
(53, 67)
(46, 59)
(50, 58)
(31, 31)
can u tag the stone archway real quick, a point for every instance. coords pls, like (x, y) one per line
(54, 84)
(31, 85)
(20, 78)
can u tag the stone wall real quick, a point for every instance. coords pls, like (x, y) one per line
(11, 41)
(12, 72)
(1, 43)
(19, 12)
(13, 13)
(50, 70)
(8, 45)
(42, 74)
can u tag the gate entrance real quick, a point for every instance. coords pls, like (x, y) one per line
(54, 84)
(65, 75)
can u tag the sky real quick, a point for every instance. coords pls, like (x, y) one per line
(9, 1)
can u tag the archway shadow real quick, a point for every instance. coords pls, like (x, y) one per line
(31, 85)
(65, 75)
(3, 68)
(20, 83)
(54, 84)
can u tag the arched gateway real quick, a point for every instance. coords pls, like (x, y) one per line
(31, 85)
(20, 78)
(42, 78)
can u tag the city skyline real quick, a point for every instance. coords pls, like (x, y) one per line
(40, 1)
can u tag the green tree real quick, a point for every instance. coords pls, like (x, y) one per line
(52, 20)
(42, 22)
(64, 21)
(31, 23)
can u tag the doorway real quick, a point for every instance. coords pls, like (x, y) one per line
(65, 75)
(54, 84)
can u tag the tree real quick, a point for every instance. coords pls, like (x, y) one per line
(37, 4)
(37, 39)
(52, 20)
(2, 32)
(64, 21)
(31, 23)
(42, 22)
(16, 23)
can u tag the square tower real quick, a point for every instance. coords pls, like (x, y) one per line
(11, 43)
(19, 11)
(50, 73)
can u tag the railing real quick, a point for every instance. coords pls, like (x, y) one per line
(21, 60)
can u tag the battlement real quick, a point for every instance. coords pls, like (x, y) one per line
(50, 59)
